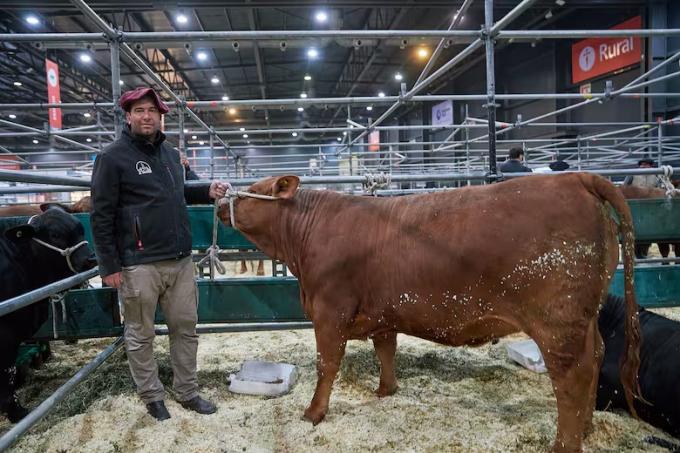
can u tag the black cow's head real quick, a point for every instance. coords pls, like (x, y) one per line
(59, 237)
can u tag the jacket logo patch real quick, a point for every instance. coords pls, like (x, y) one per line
(143, 168)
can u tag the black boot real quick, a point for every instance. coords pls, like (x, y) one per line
(13, 409)
(198, 404)
(158, 410)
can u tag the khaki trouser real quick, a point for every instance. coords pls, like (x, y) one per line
(170, 283)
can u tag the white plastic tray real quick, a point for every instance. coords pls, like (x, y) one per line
(527, 354)
(263, 378)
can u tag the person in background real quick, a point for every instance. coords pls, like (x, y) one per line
(514, 162)
(643, 180)
(140, 226)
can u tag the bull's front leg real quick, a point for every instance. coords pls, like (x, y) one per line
(330, 349)
(385, 348)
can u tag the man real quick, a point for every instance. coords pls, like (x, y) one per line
(643, 180)
(140, 226)
(514, 162)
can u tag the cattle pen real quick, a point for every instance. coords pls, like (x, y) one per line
(383, 100)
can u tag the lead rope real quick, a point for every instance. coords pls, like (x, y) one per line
(665, 179)
(213, 253)
(55, 300)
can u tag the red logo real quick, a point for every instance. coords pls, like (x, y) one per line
(596, 56)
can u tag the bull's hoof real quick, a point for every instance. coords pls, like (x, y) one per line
(260, 273)
(243, 270)
(384, 391)
(314, 415)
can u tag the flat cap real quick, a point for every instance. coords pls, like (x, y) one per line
(130, 97)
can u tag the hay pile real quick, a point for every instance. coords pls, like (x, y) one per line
(450, 399)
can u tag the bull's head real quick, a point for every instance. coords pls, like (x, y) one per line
(251, 212)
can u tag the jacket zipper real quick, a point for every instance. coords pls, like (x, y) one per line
(174, 209)
(138, 234)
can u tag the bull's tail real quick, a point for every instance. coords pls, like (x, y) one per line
(630, 361)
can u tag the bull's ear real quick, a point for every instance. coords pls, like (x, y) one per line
(285, 186)
(21, 233)
(45, 206)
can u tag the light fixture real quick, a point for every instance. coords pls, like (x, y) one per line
(381, 95)
(398, 77)
(214, 80)
(121, 83)
(308, 77)
(560, 2)
(185, 130)
(344, 133)
(181, 19)
(85, 57)
(225, 98)
(369, 108)
(423, 52)
(242, 129)
(294, 134)
(300, 109)
(232, 111)
(87, 114)
(548, 15)
(32, 20)
(303, 95)
(201, 143)
(321, 16)
(35, 142)
(202, 56)
(312, 53)
(12, 116)
(17, 84)
(339, 139)
(245, 135)
(88, 140)
(194, 137)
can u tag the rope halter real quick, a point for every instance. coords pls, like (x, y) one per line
(232, 194)
(375, 181)
(666, 181)
(67, 252)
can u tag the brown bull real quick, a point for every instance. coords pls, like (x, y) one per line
(460, 267)
(19, 210)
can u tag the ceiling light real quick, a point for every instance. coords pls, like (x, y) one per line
(214, 80)
(17, 84)
(312, 53)
(321, 16)
(87, 114)
(185, 130)
(12, 116)
(35, 142)
(201, 143)
(369, 108)
(194, 137)
(245, 135)
(560, 2)
(85, 58)
(548, 15)
(344, 133)
(339, 139)
(398, 77)
(423, 52)
(88, 140)
(32, 20)
(202, 56)
(242, 129)
(303, 95)
(181, 19)
(294, 134)
(232, 111)
(225, 98)
(381, 95)
(121, 83)
(308, 77)
(300, 109)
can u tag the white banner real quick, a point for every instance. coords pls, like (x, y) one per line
(442, 114)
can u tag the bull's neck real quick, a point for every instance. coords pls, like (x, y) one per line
(286, 236)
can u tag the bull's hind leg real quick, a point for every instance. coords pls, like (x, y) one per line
(385, 348)
(573, 360)
(330, 349)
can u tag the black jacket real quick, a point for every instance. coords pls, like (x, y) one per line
(139, 212)
(514, 166)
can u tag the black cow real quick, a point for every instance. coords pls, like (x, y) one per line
(659, 366)
(28, 261)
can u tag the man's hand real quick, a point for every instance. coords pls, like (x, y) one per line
(217, 190)
(113, 280)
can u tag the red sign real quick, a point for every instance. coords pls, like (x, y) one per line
(596, 56)
(53, 93)
(374, 141)
(7, 162)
